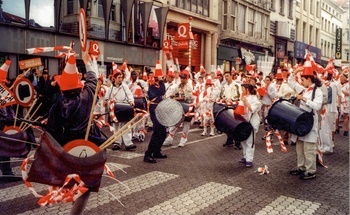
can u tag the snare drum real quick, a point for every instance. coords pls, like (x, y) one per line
(140, 103)
(186, 108)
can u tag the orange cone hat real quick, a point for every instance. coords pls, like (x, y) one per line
(208, 81)
(144, 75)
(279, 74)
(114, 68)
(170, 71)
(233, 70)
(69, 79)
(158, 71)
(124, 66)
(218, 71)
(138, 92)
(4, 70)
(308, 69)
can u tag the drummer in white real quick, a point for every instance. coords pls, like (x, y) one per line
(306, 145)
(181, 92)
(120, 93)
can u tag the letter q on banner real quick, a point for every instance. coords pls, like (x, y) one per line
(183, 32)
(167, 46)
(94, 50)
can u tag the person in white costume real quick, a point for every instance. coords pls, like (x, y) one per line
(306, 146)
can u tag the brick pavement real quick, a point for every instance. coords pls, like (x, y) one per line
(204, 178)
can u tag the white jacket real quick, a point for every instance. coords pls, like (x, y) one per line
(120, 94)
(310, 105)
(253, 116)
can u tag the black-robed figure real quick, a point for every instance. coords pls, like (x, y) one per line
(155, 94)
(69, 115)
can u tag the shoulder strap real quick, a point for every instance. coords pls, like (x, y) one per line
(313, 93)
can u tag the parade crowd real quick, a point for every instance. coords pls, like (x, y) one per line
(323, 91)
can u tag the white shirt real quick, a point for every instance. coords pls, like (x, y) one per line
(310, 105)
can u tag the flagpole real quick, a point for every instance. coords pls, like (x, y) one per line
(189, 42)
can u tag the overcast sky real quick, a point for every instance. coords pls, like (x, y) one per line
(42, 11)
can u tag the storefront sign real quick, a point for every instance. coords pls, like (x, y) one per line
(183, 32)
(180, 48)
(299, 51)
(29, 63)
(338, 39)
(167, 47)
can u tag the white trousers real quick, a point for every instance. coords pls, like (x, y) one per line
(248, 150)
(327, 127)
(126, 137)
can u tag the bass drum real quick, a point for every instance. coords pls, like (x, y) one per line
(169, 112)
(140, 103)
(123, 111)
(283, 115)
(232, 124)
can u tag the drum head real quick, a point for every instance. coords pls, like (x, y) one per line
(11, 129)
(169, 112)
(81, 148)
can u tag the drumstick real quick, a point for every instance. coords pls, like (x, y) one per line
(125, 131)
(22, 141)
(111, 138)
(30, 109)
(117, 132)
(29, 125)
(127, 124)
(115, 137)
(33, 113)
(92, 109)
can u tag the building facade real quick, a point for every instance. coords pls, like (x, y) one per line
(134, 30)
(331, 31)
(244, 32)
(307, 29)
(203, 18)
(282, 31)
(345, 19)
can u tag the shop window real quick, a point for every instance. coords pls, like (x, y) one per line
(282, 7)
(69, 17)
(233, 15)
(115, 33)
(13, 12)
(70, 7)
(251, 23)
(100, 9)
(241, 18)
(258, 28)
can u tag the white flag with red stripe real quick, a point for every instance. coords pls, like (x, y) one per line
(47, 49)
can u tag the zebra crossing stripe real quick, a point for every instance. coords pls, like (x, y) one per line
(124, 154)
(194, 200)
(135, 184)
(20, 190)
(288, 205)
